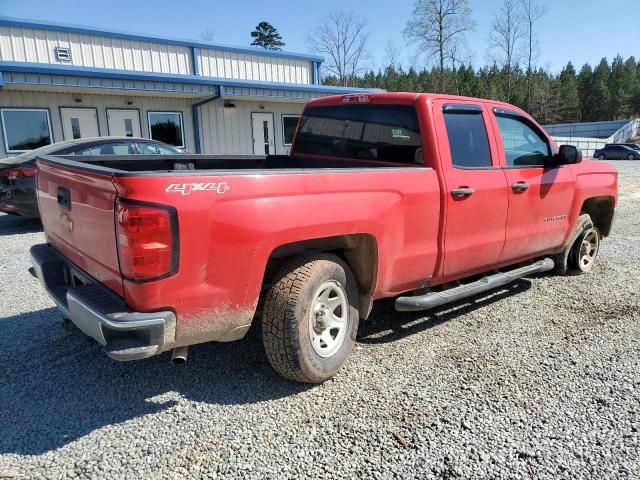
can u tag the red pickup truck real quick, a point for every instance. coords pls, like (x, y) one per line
(423, 197)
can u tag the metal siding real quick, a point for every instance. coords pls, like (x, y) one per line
(228, 130)
(52, 101)
(37, 46)
(224, 64)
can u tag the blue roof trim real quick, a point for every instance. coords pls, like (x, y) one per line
(45, 68)
(62, 27)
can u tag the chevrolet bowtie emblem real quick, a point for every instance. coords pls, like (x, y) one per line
(66, 222)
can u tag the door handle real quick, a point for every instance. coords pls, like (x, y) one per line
(463, 191)
(520, 187)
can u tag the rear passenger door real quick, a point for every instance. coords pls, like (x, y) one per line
(540, 196)
(476, 188)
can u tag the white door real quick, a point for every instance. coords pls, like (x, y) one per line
(79, 123)
(263, 137)
(123, 123)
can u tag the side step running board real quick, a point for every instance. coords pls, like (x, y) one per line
(435, 299)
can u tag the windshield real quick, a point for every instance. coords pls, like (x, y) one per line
(388, 133)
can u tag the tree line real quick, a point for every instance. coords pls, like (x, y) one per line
(606, 92)
(513, 74)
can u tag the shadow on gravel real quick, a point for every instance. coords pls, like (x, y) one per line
(386, 325)
(57, 386)
(13, 224)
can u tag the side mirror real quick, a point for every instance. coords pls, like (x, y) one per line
(567, 155)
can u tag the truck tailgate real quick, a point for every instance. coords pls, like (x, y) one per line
(77, 210)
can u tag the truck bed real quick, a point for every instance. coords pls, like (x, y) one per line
(172, 164)
(235, 215)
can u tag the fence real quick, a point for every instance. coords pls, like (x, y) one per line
(588, 145)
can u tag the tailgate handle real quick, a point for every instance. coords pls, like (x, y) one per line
(64, 197)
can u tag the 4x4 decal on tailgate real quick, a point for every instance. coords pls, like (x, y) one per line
(187, 188)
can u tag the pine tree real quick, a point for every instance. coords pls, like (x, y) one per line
(266, 36)
(570, 99)
(600, 93)
(585, 84)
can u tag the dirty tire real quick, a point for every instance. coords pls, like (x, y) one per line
(287, 309)
(565, 261)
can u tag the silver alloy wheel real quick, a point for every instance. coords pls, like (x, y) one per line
(328, 318)
(602, 157)
(588, 249)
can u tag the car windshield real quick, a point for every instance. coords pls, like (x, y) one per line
(158, 149)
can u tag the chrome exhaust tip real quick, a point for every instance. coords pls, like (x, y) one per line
(179, 355)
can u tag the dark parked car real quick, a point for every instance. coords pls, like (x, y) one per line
(617, 152)
(634, 146)
(17, 174)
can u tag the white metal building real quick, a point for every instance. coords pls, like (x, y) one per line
(59, 82)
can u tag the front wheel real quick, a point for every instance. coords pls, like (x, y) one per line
(631, 156)
(585, 250)
(580, 253)
(310, 318)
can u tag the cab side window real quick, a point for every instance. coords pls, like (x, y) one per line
(468, 139)
(523, 145)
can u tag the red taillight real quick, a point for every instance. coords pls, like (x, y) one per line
(18, 173)
(356, 99)
(147, 237)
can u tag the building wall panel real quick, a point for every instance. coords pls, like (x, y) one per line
(229, 130)
(216, 63)
(37, 46)
(53, 102)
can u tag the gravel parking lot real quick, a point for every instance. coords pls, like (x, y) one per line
(538, 380)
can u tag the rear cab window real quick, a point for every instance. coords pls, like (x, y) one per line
(467, 134)
(388, 133)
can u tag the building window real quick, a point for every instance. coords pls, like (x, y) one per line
(25, 129)
(166, 127)
(289, 124)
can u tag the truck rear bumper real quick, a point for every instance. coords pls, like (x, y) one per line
(98, 312)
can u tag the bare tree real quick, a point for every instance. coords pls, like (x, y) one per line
(507, 31)
(437, 26)
(392, 55)
(459, 55)
(207, 35)
(342, 38)
(532, 11)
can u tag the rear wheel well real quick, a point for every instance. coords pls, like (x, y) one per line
(600, 209)
(359, 251)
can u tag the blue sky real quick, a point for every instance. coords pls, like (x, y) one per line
(573, 30)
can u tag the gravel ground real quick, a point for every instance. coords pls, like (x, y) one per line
(540, 380)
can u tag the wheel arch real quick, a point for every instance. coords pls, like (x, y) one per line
(601, 210)
(359, 251)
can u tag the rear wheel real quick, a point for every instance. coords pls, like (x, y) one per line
(310, 318)
(601, 157)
